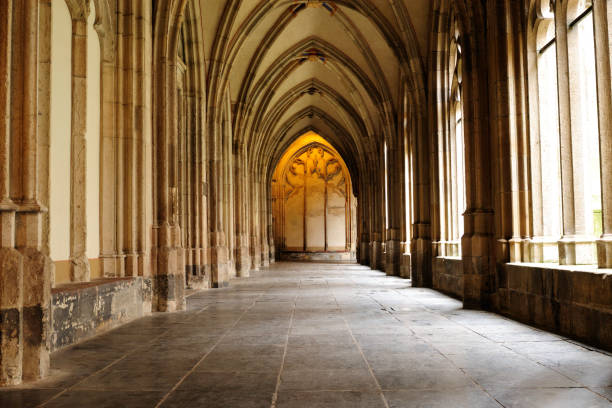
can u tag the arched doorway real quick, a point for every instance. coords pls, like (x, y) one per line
(314, 209)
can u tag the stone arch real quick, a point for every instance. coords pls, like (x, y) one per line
(312, 175)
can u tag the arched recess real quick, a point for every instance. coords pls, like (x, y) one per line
(189, 173)
(313, 205)
(179, 205)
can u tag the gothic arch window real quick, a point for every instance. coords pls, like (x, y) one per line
(583, 102)
(547, 163)
(408, 173)
(454, 152)
(565, 154)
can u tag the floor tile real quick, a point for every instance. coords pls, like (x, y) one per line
(325, 329)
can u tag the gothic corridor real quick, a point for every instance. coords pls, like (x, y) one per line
(304, 203)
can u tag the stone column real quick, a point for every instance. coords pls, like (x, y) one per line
(130, 127)
(11, 268)
(243, 259)
(604, 102)
(79, 264)
(424, 156)
(263, 222)
(24, 269)
(218, 238)
(574, 246)
(169, 282)
(254, 223)
(477, 244)
(396, 198)
(375, 210)
(6, 14)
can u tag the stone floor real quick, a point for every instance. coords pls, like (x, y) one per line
(321, 335)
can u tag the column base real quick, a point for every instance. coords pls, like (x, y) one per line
(577, 251)
(131, 264)
(243, 262)
(420, 268)
(604, 252)
(376, 254)
(393, 258)
(11, 314)
(219, 267)
(479, 271)
(36, 304)
(265, 256)
(79, 269)
(544, 250)
(520, 250)
(255, 256)
(405, 265)
(364, 253)
(112, 265)
(169, 280)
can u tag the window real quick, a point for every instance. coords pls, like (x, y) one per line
(565, 155)
(548, 162)
(585, 131)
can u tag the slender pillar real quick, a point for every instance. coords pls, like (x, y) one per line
(574, 247)
(604, 102)
(79, 265)
(395, 205)
(11, 269)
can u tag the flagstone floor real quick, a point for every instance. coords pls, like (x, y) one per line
(323, 335)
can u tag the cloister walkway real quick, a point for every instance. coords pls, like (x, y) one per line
(323, 335)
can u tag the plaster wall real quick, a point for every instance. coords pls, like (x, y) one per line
(61, 102)
(93, 140)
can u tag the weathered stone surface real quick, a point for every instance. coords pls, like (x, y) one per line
(448, 276)
(80, 311)
(570, 301)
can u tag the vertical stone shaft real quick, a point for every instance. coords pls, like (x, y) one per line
(565, 136)
(5, 99)
(395, 170)
(132, 135)
(79, 270)
(11, 272)
(36, 266)
(604, 101)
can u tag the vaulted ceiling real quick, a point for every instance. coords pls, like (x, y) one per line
(336, 67)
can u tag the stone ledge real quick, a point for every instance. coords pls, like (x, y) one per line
(76, 286)
(85, 309)
(575, 301)
(448, 275)
(317, 256)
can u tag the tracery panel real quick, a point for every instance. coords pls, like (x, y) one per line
(315, 198)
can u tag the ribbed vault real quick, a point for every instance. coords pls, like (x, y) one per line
(331, 65)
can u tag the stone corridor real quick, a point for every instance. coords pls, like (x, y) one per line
(322, 335)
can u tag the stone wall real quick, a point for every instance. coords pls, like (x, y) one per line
(316, 256)
(572, 301)
(80, 311)
(448, 276)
